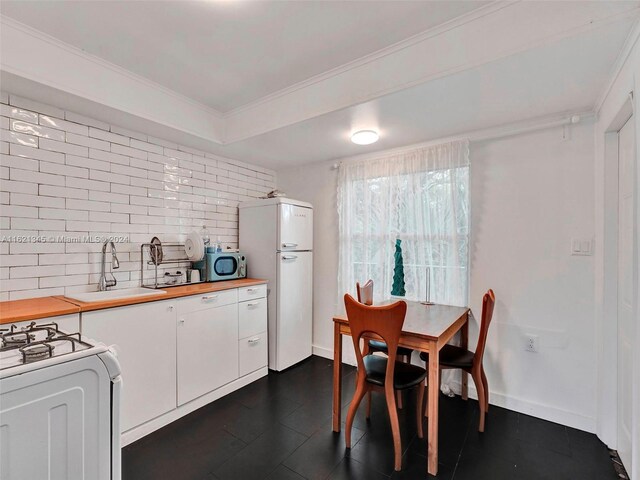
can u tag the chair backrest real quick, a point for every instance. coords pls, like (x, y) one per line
(385, 321)
(365, 292)
(488, 302)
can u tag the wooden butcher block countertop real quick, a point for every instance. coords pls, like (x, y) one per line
(34, 308)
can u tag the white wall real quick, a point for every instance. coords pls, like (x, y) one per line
(64, 175)
(530, 195)
(626, 80)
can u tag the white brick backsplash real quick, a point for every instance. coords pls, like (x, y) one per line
(19, 211)
(44, 292)
(21, 248)
(18, 138)
(36, 177)
(60, 124)
(29, 272)
(62, 147)
(18, 284)
(88, 163)
(108, 197)
(19, 162)
(63, 214)
(19, 223)
(19, 113)
(87, 142)
(89, 122)
(147, 147)
(89, 177)
(90, 184)
(37, 130)
(36, 153)
(88, 205)
(66, 192)
(128, 133)
(18, 187)
(109, 177)
(128, 190)
(7, 260)
(57, 169)
(108, 156)
(63, 259)
(128, 151)
(108, 136)
(36, 201)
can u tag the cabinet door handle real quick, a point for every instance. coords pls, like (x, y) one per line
(171, 308)
(209, 297)
(287, 245)
(252, 290)
(289, 257)
(181, 321)
(253, 341)
(249, 305)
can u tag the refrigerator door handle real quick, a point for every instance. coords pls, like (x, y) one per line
(289, 257)
(287, 245)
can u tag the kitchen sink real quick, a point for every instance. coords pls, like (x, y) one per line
(115, 294)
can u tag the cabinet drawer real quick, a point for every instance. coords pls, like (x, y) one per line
(253, 353)
(249, 293)
(207, 300)
(253, 317)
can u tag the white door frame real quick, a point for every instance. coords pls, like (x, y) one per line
(608, 364)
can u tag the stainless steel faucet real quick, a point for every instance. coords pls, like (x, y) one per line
(103, 283)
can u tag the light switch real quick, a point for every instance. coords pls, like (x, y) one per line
(581, 246)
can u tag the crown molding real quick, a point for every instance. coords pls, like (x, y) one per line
(334, 90)
(27, 30)
(383, 52)
(630, 43)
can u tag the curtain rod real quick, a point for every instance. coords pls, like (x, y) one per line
(480, 135)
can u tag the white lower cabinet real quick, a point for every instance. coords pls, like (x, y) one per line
(173, 353)
(253, 353)
(207, 350)
(145, 340)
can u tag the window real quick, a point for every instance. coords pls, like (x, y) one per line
(420, 197)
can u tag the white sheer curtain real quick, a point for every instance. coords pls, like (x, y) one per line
(419, 196)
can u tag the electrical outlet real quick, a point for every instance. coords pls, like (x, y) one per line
(531, 343)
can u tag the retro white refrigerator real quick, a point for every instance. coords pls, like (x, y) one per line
(276, 236)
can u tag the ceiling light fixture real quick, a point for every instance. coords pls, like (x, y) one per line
(365, 137)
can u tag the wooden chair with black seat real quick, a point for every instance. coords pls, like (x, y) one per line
(365, 295)
(378, 373)
(458, 357)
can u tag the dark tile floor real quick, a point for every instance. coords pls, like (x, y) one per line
(279, 428)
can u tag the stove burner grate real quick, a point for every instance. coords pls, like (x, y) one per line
(36, 351)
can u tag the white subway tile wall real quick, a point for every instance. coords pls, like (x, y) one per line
(65, 177)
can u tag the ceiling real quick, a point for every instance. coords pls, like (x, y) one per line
(281, 84)
(226, 54)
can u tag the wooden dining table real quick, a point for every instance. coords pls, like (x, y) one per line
(426, 328)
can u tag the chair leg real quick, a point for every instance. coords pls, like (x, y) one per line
(395, 427)
(353, 408)
(477, 379)
(485, 384)
(368, 405)
(419, 409)
(426, 406)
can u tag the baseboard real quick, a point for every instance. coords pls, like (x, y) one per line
(323, 352)
(545, 412)
(140, 431)
(538, 410)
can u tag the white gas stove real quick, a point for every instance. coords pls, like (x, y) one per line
(59, 405)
